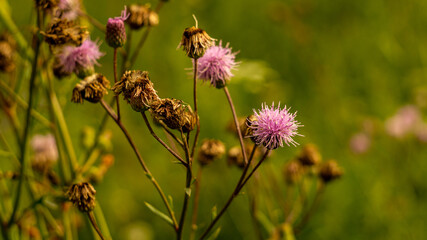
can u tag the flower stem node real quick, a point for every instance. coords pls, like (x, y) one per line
(62, 31)
(210, 150)
(115, 34)
(137, 90)
(174, 113)
(91, 89)
(195, 42)
(141, 16)
(83, 196)
(310, 155)
(330, 171)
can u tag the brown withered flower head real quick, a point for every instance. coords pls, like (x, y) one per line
(7, 63)
(47, 5)
(210, 150)
(293, 172)
(329, 171)
(62, 31)
(137, 90)
(91, 88)
(141, 16)
(248, 131)
(195, 41)
(174, 113)
(83, 196)
(235, 157)
(310, 155)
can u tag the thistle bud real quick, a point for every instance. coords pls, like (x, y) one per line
(62, 31)
(292, 172)
(91, 89)
(83, 196)
(116, 32)
(6, 57)
(195, 41)
(210, 150)
(174, 113)
(310, 155)
(137, 90)
(142, 15)
(330, 171)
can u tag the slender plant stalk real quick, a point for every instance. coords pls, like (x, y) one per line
(236, 122)
(160, 140)
(127, 50)
(93, 222)
(101, 220)
(312, 208)
(115, 81)
(236, 191)
(196, 204)
(135, 54)
(141, 161)
(170, 133)
(23, 145)
(187, 194)
(196, 137)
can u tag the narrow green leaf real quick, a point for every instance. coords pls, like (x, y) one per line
(159, 213)
(171, 201)
(214, 212)
(265, 222)
(215, 234)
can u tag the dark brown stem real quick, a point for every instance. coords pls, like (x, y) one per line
(115, 81)
(236, 191)
(196, 203)
(160, 140)
(255, 168)
(196, 137)
(236, 122)
(93, 222)
(147, 172)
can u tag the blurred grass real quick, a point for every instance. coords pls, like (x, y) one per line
(335, 62)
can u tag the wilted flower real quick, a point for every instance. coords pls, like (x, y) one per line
(403, 122)
(235, 157)
(360, 143)
(310, 155)
(68, 9)
(83, 196)
(45, 152)
(216, 64)
(330, 171)
(80, 60)
(137, 90)
(195, 42)
(141, 15)
(91, 89)
(274, 126)
(210, 150)
(174, 113)
(116, 32)
(62, 31)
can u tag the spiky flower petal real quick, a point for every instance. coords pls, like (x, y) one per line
(216, 64)
(272, 127)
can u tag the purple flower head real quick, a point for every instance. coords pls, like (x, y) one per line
(81, 58)
(274, 126)
(68, 9)
(116, 32)
(216, 65)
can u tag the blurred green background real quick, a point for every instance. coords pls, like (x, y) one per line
(337, 63)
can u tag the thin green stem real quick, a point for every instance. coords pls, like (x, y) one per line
(160, 140)
(196, 137)
(147, 172)
(23, 145)
(236, 122)
(115, 81)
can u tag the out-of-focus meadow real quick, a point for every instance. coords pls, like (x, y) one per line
(345, 66)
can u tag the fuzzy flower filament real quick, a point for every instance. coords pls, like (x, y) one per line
(274, 127)
(216, 64)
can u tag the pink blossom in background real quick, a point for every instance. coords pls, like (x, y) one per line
(360, 143)
(44, 148)
(75, 59)
(68, 9)
(403, 122)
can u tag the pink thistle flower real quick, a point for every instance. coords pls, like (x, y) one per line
(80, 59)
(274, 126)
(68, 9)
(116, 32)
(216, 65)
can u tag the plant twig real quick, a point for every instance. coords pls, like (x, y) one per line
(93, 222)
(115, 81)
(196, 137)
(187, 194)
(196, 203)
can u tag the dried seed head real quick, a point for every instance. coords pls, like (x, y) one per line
(83, 196)
(234, 157)
(293, 172)
(142, 15)
(47, 5)
(310, 155)
(91, 89)
(210, 150)
(137, 90)
(7, 63)
(195, 41)
(330, 171)
(62, 31)
(174, 113)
